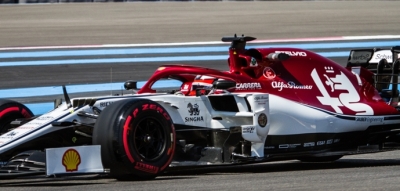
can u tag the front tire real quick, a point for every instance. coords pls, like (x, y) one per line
(10, 111)
(137, 139)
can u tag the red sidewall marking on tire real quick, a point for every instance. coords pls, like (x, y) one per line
(147, 168)
(125, 139)
(9, 110)
(25, 113)
(170, 152)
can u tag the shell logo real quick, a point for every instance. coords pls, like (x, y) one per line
(71, 160)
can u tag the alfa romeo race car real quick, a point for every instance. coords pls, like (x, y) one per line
(272, 104)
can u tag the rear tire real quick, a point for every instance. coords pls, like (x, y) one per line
(137, 139)
(10, 111)
(320, 159)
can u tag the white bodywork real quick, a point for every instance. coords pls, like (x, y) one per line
(285, 117)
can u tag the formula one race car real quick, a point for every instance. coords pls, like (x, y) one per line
(272, 104)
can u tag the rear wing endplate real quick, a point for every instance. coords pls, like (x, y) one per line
(384, 63)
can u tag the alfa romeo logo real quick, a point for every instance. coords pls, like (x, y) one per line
(269, 73)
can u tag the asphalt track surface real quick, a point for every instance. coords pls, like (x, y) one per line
(81, 24)
(139, 22)
(162, 22)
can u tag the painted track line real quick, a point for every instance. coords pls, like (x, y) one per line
(202, 49)
(141, 60)
(57, 90)
(340, 38)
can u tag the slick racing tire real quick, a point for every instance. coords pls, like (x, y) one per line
(10, 111)
(320, 159)
(137, 139)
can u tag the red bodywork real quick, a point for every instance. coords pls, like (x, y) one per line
(305, 77)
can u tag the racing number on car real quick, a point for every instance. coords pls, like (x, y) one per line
(340, 82)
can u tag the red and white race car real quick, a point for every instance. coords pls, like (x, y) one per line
(272, 104)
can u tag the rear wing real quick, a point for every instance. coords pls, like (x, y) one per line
(384, 63)
(369, 58)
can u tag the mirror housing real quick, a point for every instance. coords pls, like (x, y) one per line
(130, 85)
(224, 84)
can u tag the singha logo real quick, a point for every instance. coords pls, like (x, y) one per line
(193, 109)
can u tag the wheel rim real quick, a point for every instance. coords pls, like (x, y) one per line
(149, 139)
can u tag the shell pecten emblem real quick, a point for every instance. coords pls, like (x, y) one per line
(71, 160)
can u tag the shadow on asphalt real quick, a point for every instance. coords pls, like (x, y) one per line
(284, 166)
(42, 181)
(190, 173)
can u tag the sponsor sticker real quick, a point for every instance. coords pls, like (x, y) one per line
(194, 119)
(248, 86)
(370, 119)
(291, 146)
(47, 118)
(269, 73)
(284, 146)
(105, 104)
(71, 160)
(79, 159)
(194, 113)
(289, 85)
(253, 62)
(360, 56)
(261, 100)
(309, 144)
(193, 109)
(382, 54)
(11, 134)
(293, 53)
(248, 129)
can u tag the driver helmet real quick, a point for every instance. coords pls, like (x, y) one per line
(201, 83)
